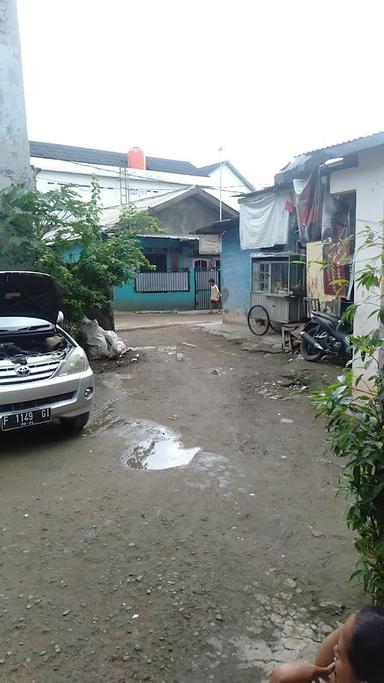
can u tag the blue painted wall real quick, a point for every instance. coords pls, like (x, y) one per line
(126, 299)
(236, 272)
(236, 277)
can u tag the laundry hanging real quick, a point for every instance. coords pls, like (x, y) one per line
(264, 220)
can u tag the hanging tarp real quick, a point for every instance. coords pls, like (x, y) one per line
(328, 213)
(308, 192)
(337, 252)
(264, 220)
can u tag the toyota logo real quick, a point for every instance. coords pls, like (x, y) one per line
(23, 370)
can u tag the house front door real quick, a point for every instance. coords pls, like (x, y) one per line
(202, 287)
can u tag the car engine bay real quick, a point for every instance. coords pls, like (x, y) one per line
(18, 348)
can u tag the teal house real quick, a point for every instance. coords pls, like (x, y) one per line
(184, 261)
(171, 286)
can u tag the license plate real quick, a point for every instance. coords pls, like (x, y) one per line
(27, 418)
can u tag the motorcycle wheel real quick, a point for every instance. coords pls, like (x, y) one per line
(307, 351)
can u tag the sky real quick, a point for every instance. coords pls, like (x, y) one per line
(264, 80)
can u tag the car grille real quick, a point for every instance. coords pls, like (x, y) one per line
(26, 405)
(42, 368)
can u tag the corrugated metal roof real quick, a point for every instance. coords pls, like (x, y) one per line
(218, 227)
(153, 201)
(377, 138)
(263, 190)
(276, 254)
(100, 157)
(306, 162)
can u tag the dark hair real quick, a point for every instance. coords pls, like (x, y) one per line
(366, 653)
(211, 280)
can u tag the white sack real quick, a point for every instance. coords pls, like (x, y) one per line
(101, 343)
(94, 339)
(116, 346)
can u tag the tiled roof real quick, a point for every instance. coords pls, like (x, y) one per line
(100, 157)
(85, 155)
(211, 167)
(173, 166)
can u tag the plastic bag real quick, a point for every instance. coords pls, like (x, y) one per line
(94, 339)
(116, 346)
(100, 343)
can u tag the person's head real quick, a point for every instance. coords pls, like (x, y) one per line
(211, 281)
(359, 654)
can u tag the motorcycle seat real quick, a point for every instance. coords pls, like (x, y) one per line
(338, 328)
(326, 316)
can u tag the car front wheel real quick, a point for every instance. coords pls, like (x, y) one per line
(75, 424)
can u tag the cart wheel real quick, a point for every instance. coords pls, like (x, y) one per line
(258, 320)
(275, 326)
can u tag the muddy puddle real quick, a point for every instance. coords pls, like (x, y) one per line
(143, 445)
(150, 446)
(159, 455)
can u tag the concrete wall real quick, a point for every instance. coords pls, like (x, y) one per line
(236, 277)
(126, 299)
(14, 148)
(367, 179)
(187, 216)
(54, 172)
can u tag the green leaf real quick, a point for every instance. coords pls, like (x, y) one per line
(38, 226)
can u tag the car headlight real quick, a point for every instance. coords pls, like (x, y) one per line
(76, 361)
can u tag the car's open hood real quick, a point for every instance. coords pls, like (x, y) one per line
(33, 295)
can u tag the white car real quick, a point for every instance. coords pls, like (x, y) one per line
(44, 373)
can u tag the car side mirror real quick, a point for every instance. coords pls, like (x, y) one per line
(60, 318)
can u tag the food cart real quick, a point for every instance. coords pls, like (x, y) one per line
(277, 290)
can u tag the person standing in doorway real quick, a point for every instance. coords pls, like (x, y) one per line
(215, 298)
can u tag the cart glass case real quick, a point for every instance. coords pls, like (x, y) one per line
(278, 284)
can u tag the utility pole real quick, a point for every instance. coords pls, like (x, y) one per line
(14, 147)
(220, 184)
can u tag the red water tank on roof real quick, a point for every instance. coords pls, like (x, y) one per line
(136, 158)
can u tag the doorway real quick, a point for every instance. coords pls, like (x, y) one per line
(203, 288)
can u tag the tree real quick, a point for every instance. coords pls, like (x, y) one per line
(58, 233)
(355, 422)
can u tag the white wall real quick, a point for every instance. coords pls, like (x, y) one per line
(54, 172)
(49, 179)
(367, 179)
(230, 182)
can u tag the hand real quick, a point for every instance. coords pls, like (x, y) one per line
(300, 672)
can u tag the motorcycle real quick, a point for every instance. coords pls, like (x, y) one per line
(325, 334)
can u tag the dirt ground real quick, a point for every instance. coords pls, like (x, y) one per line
(211, 571)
